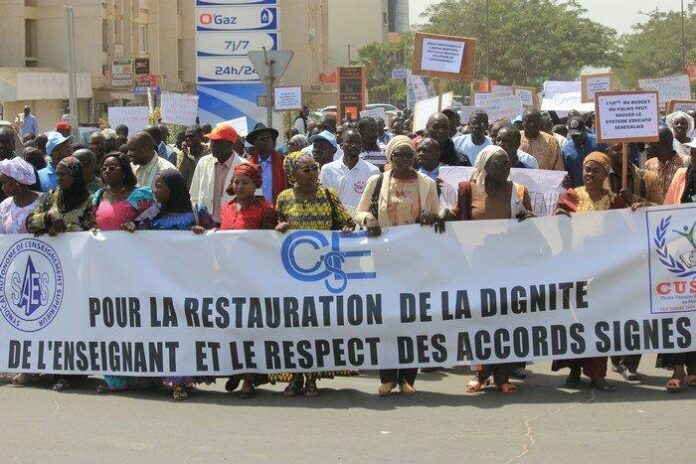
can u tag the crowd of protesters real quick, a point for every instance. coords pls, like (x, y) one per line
(336, 175)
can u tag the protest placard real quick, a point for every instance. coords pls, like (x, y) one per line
(134, 117)
(564, 96)
(240, 125)
(179, 108)
(479, 99)
(681, 105)
(447, 57)
(502, 90)
(593, 83)
(507, 107)
(426, 108)
(465, 113)
(375, 113)
(627, 116)
(528, 96)
(287, 98)
(675, 87)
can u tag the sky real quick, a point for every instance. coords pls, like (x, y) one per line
(618, 14)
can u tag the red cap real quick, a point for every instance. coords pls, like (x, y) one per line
(63, 125)
(224, 132)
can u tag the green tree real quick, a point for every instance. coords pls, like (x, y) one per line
(525, 42)
(379, 61)
(654, 48)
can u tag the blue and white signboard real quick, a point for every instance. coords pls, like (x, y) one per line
(234, 43)
(226, 69)
(217, 103)
(235, 2)
(233, 18)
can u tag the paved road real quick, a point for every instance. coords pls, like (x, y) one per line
(350, 423)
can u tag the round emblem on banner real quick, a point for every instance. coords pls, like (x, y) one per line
(32, 285)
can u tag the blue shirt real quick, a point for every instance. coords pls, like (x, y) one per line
(48, 178)
(267, 176)
(30, 126)
(526, 161)
(434, 174)
(574, 155)
(466, 145)
(167, 152)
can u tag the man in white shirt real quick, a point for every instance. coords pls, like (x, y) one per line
(472, 144)
(348, 175)
(214, 172)
(144, 160)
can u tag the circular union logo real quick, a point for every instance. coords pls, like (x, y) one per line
(31, 285)
(206, 18)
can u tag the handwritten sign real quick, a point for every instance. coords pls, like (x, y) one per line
(593, 83)
(528, 96)
(480, 98)
(669, 88)
(443, 56)
(179, 108)
(135, 117)
(627, 116)
(564, 96)
(507, 107)
(287, 98)
(240, 125)
(375, 113)
(503, 90)
(681, 105)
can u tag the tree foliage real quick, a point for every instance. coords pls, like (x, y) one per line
(654, 47)
(379, 61)
(526, 42)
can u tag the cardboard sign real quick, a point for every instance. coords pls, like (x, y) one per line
(507, 107)
(443, 56)
(179, 108)
(287, 98)
(426, 108)
(593, 83)
(627, 116)
(681, 105)
(669, 88)
(135, 117)
(528, 96)
(375, 113)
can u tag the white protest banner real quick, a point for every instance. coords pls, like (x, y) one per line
(135, 117)
(466, 111)
(675, 87)
(564, 96)
(681, 105)
(545, 187)
(627, 116)
(426, 108)
(179, 108)
(287, 98)
(598, 284)
(507, 107)
(502, 90)
(375, 113)
(240, 125)
(593, 83)
(480, 98)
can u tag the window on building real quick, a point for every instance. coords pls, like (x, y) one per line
(385, 18)
(143, 39)
(30, 3)
(180, 59)
(31, 43)
(105, 36)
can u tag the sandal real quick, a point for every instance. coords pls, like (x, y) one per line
(294, 388)
(179, 393)
(61, 384)
(476, 385)
(675, 385)
(311, 390)
(508, 388)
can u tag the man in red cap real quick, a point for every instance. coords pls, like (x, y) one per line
(63, 128)
(214, 171)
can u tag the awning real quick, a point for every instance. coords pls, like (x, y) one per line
(22, 84)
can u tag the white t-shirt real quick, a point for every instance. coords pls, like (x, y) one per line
(349, 183)
(466, 145)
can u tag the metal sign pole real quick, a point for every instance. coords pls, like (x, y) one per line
(269, 89)
(72, 79)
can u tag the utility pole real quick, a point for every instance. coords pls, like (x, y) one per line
(72, 78)
(683, 40)
(269, 89)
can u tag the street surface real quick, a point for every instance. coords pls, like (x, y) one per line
(349, 423)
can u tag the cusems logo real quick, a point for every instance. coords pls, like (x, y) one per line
(674, 243)
(309, 256)
(31, 285)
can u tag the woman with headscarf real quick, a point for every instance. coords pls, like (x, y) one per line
(66, 208)
(682, 126)
(682, 190)
(246, 211)
(173, 211)
(491, 195)
(309, 206)
(115, 205)
(592, 196)
(399, 196)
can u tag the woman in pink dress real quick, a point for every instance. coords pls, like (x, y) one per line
(116, 205)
